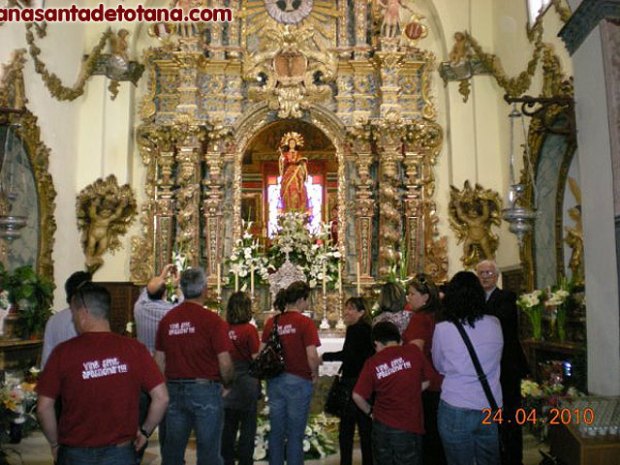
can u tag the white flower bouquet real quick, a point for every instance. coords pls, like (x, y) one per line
(313, 254)
(246, 260)
(532, 305)
(318, 441)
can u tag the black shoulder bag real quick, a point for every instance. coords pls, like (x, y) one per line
(269, 362)
(338, 397)
(483, 380)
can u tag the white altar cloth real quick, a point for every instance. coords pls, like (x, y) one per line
(330, 344)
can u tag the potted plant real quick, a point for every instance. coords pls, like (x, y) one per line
(31, 296)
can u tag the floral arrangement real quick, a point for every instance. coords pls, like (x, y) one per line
(18, 401)
(246, 259)
(554, 301)
(532, 305)
(313, 254)
(558, 303)
(180, 262)
(318, 437)
(542, 397)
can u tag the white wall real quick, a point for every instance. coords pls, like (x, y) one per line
(603, 318)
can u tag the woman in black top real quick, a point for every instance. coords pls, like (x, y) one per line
(357, 348)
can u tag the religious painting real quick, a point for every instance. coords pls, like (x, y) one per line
(252, 211)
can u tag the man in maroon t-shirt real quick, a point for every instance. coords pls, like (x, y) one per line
(98, 375)
(395, 375)
(193, 350)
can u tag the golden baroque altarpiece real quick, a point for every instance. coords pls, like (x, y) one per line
(221, 95)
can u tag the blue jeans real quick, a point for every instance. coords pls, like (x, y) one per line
(109, 455)
(196, 406)
(465, 438)
(289, 404)
(392, 446)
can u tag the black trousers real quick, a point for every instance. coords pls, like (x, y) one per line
(244, 423)
(354, 416)
(510, 432)
(432, 447)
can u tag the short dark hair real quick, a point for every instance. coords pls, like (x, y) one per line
(385, 332)
(239, 308)
(73, 282)
(297, 290)
(95, 298)
(392, 298)
(465, 299)
(193, 282)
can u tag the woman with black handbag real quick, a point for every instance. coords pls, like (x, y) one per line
(356, 349)
(467, 349)
(290, 392)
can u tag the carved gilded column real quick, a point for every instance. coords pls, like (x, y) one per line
(154, 249)
(389, 146)
(188, 158)
(361, 15)
(213, 188)
(343, 15)
(364, 210)
(427, 250)
(217, 45)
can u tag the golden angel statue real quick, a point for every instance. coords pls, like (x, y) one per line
(574, 235)
(104, 211)
(472, 213)
(294, 172)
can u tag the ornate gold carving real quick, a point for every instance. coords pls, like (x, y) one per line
(427, 251)
(52, 81)
(574, 235)
(104, 212)
(288, 62)
(12, 95)
(472, 213)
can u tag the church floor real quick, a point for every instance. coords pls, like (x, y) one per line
(34, 451)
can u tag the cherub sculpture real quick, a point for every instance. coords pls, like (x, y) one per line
(574, 235)
(461, 50)
(472, 213)
(104, 212)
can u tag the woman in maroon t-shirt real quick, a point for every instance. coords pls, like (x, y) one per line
(240, 402)
(290, 392)
(423, 298)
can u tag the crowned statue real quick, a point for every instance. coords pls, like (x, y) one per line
(294, 172)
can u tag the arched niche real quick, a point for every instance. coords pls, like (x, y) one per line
(553, 148)
(29, 167)
(257, 138)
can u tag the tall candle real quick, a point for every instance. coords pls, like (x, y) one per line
(324, 278)
(252, 280)
(359, 278)
(236, 281)
(219, 279)
(339, 277)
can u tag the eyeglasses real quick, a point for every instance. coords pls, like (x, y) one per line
(487, 273)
